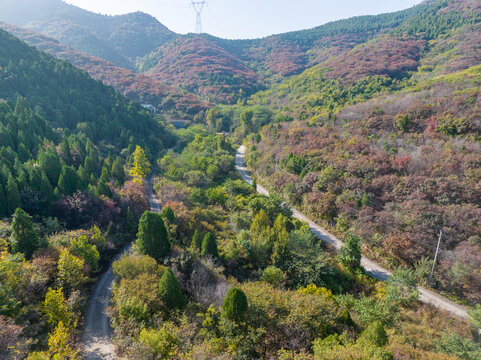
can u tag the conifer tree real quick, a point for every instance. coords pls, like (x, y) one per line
(169, 290)
(118, 171)
(130, 224)
(209, 245)
(168, 214)
(46, 187)
(3, 203)
(235, 305)
(24, 238)
(51, 165)
(68, 182)
(13, 196)
(152, 237)
(197, 240)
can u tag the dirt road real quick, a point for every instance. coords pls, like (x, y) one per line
(375, 270)
(97, 331)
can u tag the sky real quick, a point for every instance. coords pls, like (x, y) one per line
(244, 19)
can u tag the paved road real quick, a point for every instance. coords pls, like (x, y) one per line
(375, 270)
(97, 330)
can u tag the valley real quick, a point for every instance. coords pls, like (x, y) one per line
(319, 199)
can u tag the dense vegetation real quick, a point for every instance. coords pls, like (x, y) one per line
(67, 201)
(244, 280)
(369, 125)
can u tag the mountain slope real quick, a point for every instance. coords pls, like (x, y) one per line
(118, 39)
(141, 88)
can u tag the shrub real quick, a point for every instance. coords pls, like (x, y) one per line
(161, 343)
(273, 276)
(350, 254)
(129, 266)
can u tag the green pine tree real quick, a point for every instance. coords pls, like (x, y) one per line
(169, 290)
(235, 305)
(24, 238)
(152, 237)
(209, 245)
(197, 240)
(118, 171)
(12, 194)
(68, 183)
(168, 214)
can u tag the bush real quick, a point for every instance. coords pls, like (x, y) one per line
(350, 254)
(273, 276)
(235, 305)
(161, 343)
(129, 266)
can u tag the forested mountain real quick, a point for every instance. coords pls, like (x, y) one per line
(168, 100)
(118, 39)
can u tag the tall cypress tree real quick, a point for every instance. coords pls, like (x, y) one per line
(235, 305)
(118, 171)
(13, 196)
(68, 182)
(3, 203)
(169, 290)
(24, 238)
(152, 237)
(209, 245)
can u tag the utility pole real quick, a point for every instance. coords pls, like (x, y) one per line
(437, 251)
(198, 7)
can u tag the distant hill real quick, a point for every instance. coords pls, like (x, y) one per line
(169, 100)
(118, 39)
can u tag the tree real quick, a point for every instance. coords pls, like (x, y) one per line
(55, 308)
(273, 276)
(70, 271)
(374, 335)
(209, 245)
(169, 290)
(58, 344)
(168, 214)
(51, 166)
(24, 238)
(118, 172)
(246, 120)
(197, 240)
(152, 237)
(350, 254)
(162, 343)
(88, 252)
(141, 165)
(235, 305)
(402, 287)
(68, 182)
(3, 203)
(12, 194)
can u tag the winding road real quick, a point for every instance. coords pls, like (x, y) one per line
(373, 269)
(97, 343)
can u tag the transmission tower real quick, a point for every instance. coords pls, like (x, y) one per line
(198, 7)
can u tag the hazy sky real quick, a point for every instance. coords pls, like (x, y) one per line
(247, 18)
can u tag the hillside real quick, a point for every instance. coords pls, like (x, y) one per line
(202, 67)
(385, 142)
(146, 90)
(68, 202)
(118, 39)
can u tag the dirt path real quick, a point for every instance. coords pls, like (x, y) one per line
(97, 330)
(375, 270)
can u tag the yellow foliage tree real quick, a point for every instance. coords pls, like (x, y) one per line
(141, 167)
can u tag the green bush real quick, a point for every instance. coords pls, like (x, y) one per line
(152, 237)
